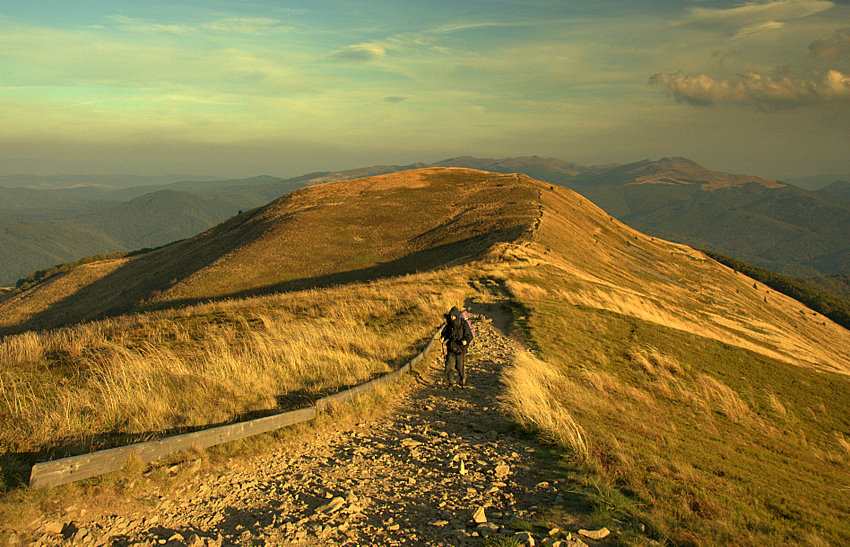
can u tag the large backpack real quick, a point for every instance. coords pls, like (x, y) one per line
(465, 317)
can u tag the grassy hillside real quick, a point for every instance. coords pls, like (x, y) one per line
(318, 236)
(680, 391)
(773, 225)
(822, 302)
(686, 397)
(134, 377)
(59, 219)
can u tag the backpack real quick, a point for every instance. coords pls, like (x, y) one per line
(465, 317)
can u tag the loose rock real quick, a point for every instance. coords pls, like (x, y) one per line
(602, 533)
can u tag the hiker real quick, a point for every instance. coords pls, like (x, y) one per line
(457, 334)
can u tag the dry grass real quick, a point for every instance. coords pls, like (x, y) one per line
(534, 398)
(143, 374)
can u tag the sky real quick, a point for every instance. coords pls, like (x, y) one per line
(243, 88)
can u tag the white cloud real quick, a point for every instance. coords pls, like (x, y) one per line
(755, 89)
(752, 30)
(229, 25)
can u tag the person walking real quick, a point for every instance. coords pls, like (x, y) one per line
(457, 336)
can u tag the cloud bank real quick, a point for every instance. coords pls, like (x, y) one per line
(754, 89)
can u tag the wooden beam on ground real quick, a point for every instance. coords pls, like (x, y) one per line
(77, 468)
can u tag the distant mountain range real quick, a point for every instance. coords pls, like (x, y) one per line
(768, 223)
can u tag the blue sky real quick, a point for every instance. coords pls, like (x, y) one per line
(244, 88)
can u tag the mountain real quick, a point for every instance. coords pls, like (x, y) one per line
(312, 237)
(147, 221)
(764, 222)
(54, 221)
(356, 230)
(840, 188)
(681, 396)
(816, 182)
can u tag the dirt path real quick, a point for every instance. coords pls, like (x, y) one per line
(415, 477)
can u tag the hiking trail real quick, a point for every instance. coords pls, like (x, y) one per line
(415, 476)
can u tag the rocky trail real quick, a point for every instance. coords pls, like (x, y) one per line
(445, 466)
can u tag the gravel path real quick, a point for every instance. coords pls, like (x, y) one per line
(421, 475)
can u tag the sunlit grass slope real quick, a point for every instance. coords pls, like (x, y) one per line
(690, 398)
(318, 236)
(136, 376)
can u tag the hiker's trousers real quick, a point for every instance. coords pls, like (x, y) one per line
(455, 370)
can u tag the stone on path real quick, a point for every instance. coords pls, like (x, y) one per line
(479, 517)
(332, 506)
(602, 533)
(54, 527)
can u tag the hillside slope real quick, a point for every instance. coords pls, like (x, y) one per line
(765, 222)
(707, 403)
(317, 236)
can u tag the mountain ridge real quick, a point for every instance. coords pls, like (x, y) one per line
(761, 221)
(353, 231)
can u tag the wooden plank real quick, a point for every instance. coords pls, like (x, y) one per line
(351, 393)
(76, 468)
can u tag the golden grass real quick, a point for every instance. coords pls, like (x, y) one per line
(209, 363)
(533, 397)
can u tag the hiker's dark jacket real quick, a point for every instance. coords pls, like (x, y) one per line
(457, 330)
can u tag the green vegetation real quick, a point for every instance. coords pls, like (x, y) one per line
(688, 402)
(836, 285)
(835, 308)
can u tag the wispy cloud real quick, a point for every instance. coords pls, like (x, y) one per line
(834, 48)
(245, 25)
(358, 53)
(228, 25)
(752, 18)
(137, 25)
(758, 90)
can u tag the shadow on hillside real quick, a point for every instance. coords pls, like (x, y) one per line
(88, 303)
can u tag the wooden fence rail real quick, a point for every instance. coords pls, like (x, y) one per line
(75, 468)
